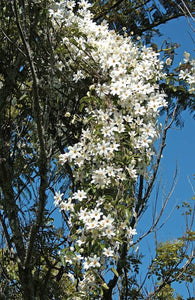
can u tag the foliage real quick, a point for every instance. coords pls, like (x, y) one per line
(168, 258)
(141, 16)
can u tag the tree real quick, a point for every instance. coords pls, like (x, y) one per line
(25, 175)
(43, 113)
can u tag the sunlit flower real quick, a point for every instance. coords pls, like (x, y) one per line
(94, 261)
(108, 252)
(79, 195)
(58, 198)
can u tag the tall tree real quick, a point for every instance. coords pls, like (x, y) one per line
(41, 114)
(27, 147)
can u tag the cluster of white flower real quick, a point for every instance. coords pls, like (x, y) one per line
(120, 127)
(188, 74)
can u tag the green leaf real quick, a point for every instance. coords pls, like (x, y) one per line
(104, 285)
(115, 272)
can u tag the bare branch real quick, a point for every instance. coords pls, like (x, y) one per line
(155, 223)
(164, 135)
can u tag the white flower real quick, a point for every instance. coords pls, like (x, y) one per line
(139, 110)
(132, 171)
(94, 261)
(131, 232)
(149, 130)
(70, 4)
(121, 176)
(78, 257)
(86, 264)
(83, 214)
(110, 171)
(96, 214)
(183, 74)
(84, 4)
(63, 158)
(120, 128)
(79, 75)
(100, 201)
(91, 224)
(108, 252)
(114, 147)
(107, 221)
(79, 195)
(108, 131)
(128, 118)
(81, 241)
(103, 148)
(168, 61)
(86, 134)
(186, 56)
(67, 205)
(74, 152)
(99, 177)
(58, 198)
(79, 160)
(109, 232)
(144, 141)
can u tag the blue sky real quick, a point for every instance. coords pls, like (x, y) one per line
(180, 149)
(179, 153)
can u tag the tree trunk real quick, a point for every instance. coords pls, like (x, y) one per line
(26, 280)
(107, 294)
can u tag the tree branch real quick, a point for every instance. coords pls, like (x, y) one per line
(42, 155)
